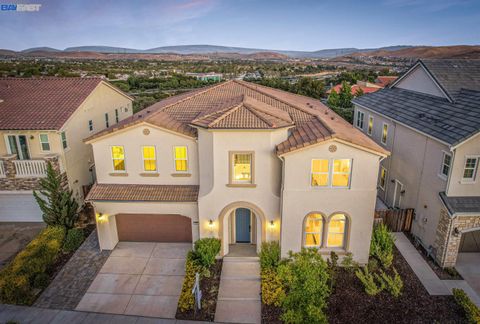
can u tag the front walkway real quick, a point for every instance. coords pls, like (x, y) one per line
(427, 276)
(71, 283)
(239, 294)
(242, 250)
(139, 278)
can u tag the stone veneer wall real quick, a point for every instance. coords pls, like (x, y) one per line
(446, 242)
(11, 183)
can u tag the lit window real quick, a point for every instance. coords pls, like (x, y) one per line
(446, 163)
(118, 157)
(383, 178)
(370, 125)
(313, 230)
(149, 159)
(90, 125)
(117, 118)
(45, 145)
(107, 124)
(242, 167)
(341, 173)
(181, 161)
(384, 133)
(470, 169)
(64, 140)
(319, 173)
(336, 231)
(360, 116)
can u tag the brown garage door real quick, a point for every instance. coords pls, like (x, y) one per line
(154, 228)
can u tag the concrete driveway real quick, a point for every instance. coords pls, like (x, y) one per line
(139, 278)
(14, 236)
(468, 265)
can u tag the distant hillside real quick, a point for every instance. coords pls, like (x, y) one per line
(43, 49)
(434, 52)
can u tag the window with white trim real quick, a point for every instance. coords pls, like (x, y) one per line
(320, 174)
(341, 172)
(107, 123)
(90, 125)
(470, 168)
(446, 164)
(331, 173)
(383, 178)
(313, 230)
(336, 231)
(360, 117)
(149, 159)
(181, 158)
(370, 125)
(44, 143)
(117, 117)
(64, 140)
(384, 133)
(118, 158)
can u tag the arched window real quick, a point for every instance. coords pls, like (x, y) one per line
(313, 228)
(337, 227)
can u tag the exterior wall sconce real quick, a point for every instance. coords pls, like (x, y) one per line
(101, 218)
(456, 232)
(272, 224)
(210, 223)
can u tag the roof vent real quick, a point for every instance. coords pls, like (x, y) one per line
(333, 118)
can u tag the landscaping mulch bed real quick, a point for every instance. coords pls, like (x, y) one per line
(209, 287)
(271, 314)
(349, 303)
(443, 274)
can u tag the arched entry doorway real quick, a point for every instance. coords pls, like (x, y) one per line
(241, 223)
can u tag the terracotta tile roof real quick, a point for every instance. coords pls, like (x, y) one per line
(385, 80)
(136, 192)
(41, 103)
(354, 89)
(244, 105)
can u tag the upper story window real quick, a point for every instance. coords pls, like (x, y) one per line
(107, 124)
(360, 117)
(44, 143)
(90, 125)
(384, 133)
(181, 158)
(334, 173)
(446, 164)
(117, 118)
(242, 167)
(149, 158)
(118, 158)
(370, 125)
(383, 178)
(470, 168)
(64, 140)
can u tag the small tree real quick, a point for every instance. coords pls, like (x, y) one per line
(345, 96)
(333, 99)
(57, 204)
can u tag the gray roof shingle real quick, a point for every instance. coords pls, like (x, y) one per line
(449, 122)
(461, 204)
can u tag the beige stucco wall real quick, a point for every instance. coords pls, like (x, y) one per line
(456, 186)
(33, 142)
(107, 229)
(215, 195)
(418, 80)
(78, 155)
(357, 202)
(132, 139)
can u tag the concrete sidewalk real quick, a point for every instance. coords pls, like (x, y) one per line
(427, 276)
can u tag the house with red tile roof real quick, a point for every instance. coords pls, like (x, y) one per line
(366, 87)
(44, 120)
(238, 161)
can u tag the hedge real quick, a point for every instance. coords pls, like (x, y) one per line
(471, 310)
(19, 278)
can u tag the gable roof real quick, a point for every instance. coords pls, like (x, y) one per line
(461, 204)
(42, 103)
(242, 105)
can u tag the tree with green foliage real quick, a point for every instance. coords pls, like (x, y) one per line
(56, 203)
(333, 99)
(345, 96)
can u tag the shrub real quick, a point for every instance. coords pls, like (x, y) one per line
(269, 255)
(382, 245)
(206, 250)
(272, 288)
(18, 278)
(332, 264)
(471, 310)
(305, 277)
(73, 240)
(41, 281)
(372, 265)
(393, 284)
(186, 301)
(368, 281)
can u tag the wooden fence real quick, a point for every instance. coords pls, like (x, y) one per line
(397, 220)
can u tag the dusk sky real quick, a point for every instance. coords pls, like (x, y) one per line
(279, 24)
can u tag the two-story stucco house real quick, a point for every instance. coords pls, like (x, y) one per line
(429, 119)
(241, 162)
(46, 119)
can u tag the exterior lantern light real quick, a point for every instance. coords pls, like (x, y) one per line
(210, 223)
(272, 224)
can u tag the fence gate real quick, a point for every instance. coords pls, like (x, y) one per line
(397, 220)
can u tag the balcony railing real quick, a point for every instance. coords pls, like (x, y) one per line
(30, 168)
(2, 170)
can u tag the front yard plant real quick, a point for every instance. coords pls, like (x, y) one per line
(471, 310)
(381, 246)
(73, 240)
(26, 273)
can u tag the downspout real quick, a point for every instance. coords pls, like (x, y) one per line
(390, 162)
(282, 186)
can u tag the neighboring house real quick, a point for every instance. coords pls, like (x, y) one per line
(241, 162)
(45, 119)
(385, 80)
(365, 86)
(429, 119)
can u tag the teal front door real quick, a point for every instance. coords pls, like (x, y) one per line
(242, 225)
